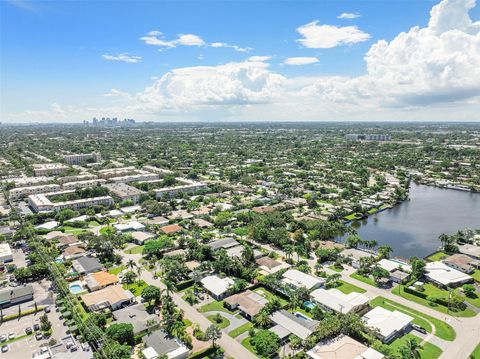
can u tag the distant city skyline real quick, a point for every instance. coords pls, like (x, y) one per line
(239, 61)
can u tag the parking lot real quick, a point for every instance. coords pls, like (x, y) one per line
(24, 348)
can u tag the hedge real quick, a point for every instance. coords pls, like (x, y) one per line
(185, 284)
(22, 314)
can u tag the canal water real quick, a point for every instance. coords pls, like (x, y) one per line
(412, 227)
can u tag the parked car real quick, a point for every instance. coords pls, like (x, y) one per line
(418, 328)
(4, 348)
(28, 330)
(11, 335)
(47, 309)
(36, 326)
(3, 338)
(39, 336)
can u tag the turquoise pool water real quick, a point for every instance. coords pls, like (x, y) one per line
(76, 288)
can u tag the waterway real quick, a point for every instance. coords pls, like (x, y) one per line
(412, 227)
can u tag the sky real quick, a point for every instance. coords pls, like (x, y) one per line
(339, 60)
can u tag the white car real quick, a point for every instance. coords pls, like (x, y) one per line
(3, 338)
(11, 335)
(4, 348)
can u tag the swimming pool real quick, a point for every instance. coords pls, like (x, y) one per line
(309, 305)
(301, 316)
(76, 288)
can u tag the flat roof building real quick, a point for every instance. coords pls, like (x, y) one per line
(291, 323)
(124, 192)
(217, 286)
(49, 169)
(21, 192)
(76, 159)
(82, 184)
(41, 203)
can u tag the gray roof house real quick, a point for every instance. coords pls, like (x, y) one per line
(137, 316)
(84, 265)
(160, 343)
(298, 325)
(223, 243)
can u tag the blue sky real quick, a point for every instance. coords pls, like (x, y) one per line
(60, 61)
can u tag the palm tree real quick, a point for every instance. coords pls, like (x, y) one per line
(288, 249)
(139, 271)
(213, 333)
(411, 349)
(131, 264)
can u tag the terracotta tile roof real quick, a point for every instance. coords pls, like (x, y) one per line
(172, 228)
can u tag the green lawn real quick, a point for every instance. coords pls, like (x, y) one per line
(93, 224)
(134, 250)
(116, 270)
(464, 313)
(264, 292)
(348, 288)
(136, 288)
(106, 229)
(332, 267)
(363, 279)
(215, 305)
(223, 324)
(246, 343)
(73, 230)
(240, 330)
(476, 353)
(429, 350)
(476, 275)
(443, 330)
(435, 257)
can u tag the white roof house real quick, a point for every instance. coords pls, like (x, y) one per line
(389, 324)
(217, 286)
(442, 274)
(130, 226)
(333, 299)
(47, 225)
(392, 265)
(296, 279)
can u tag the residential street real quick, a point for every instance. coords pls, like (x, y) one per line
(231, 346)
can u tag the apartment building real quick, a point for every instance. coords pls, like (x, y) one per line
(49, 169)
(124, 192)
(76, 159)
(41, 202)
(187, 186)
(82, 184)
(18, 193)
(81, 177)
(140, 176)
(116, 172)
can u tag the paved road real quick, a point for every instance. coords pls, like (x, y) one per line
(231, 346)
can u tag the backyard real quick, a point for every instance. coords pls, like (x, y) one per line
(431, 290)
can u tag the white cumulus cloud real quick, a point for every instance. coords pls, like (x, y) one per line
(131, 59)
(300, 60)
(318, 36)
(348, 15)
(259, 58)
(156, 38)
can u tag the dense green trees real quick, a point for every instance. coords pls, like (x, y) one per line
(266, 343)
(121, 332)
